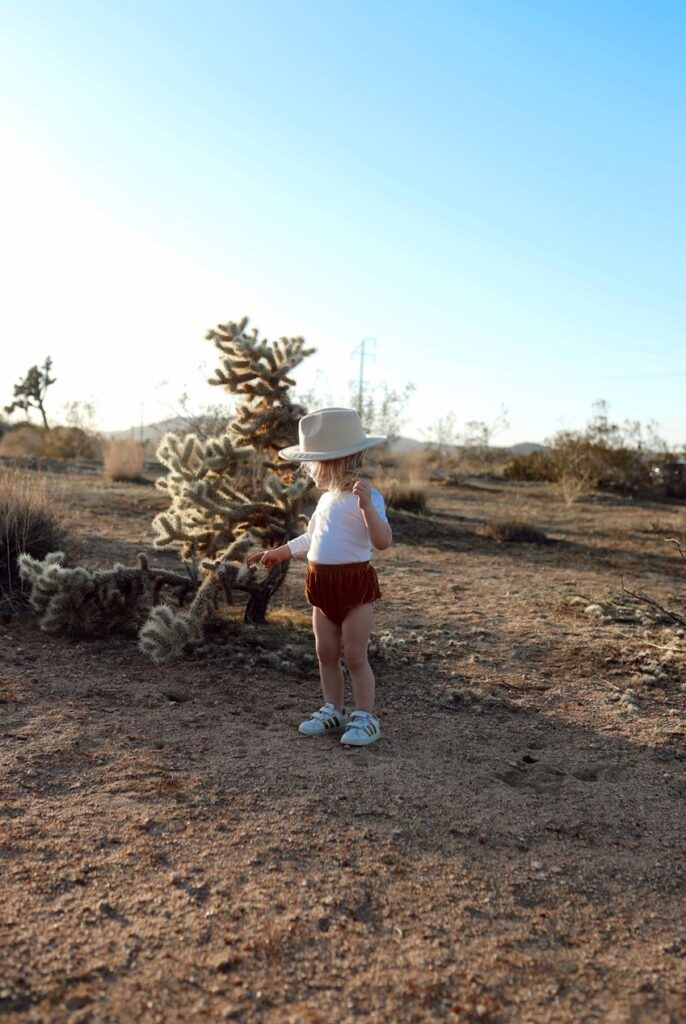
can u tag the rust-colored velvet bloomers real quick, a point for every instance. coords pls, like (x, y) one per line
(335, 589)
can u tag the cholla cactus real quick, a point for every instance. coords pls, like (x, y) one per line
(227, 495)
(259, 372)
(82, 602)
(230, 493)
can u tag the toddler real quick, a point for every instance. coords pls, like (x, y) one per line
(349, 520)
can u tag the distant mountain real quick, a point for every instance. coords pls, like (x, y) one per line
(525, 448)
(401, 445)
(150, 431)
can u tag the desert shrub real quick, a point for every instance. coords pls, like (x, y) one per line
(403, 481)
(604, 456)
(668, 475)
(382, 409)
(597, 464)
(69, 443)
(468, 450)
(514, 531)
(408, 497)
(25, 440)
(452, 479)
(30, 523)
(123, 459)
(534, 466)
(581, 464)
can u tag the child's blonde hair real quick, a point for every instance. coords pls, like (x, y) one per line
(336, 474)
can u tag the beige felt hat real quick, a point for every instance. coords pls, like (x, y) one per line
(329, 434)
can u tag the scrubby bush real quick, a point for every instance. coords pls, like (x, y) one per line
(30, 522)
(70, 443)
(123, 459)
(605, 456)
(468, 451)
(406, 496)
(403, 481)
(514, 531)
(534, 466)
(668, 475)
(25, 440)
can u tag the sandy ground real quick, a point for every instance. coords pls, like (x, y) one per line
(171, 849)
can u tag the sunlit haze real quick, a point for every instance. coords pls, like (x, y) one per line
(490, 191)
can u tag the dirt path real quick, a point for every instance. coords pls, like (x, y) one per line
(512, 851)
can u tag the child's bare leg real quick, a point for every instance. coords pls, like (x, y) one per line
(327, 637)
(357, 625)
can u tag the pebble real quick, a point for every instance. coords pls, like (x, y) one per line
(177, 696)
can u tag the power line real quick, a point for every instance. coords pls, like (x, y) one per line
(642, 376)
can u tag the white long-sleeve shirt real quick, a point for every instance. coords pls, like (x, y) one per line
(337, 533)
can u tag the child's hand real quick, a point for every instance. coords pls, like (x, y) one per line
(270, 557)
(363, 493)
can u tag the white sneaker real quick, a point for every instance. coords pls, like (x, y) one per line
(327, 719)
(363, 728)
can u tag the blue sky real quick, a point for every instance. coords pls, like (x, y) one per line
(493, 191)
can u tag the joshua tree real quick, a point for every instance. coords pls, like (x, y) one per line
(29, 393)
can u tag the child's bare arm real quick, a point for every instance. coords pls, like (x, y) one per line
(380, 533)
(271, 556)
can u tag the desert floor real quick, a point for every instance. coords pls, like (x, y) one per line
(171, 849)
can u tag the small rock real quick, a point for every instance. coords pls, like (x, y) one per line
(177, 696)
(222, 963)
(78, 1003)
(594, 611)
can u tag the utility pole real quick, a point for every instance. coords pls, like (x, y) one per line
(362, 350)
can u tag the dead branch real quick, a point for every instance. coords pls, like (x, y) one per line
(643, 599)
(678, 545)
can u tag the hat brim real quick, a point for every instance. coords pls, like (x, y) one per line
(295, 453)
